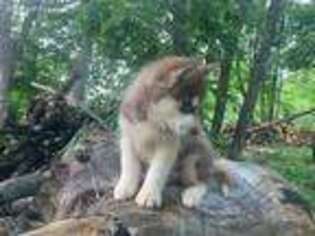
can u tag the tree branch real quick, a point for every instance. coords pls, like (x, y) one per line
(283, 120)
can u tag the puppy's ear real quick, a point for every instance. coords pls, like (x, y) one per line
(174, 76)
(209, 68)
(200, 71)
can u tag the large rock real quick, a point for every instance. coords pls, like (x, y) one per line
(259, 202)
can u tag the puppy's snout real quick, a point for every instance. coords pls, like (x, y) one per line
(189, 105)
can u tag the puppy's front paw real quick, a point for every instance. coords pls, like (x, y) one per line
(192, 196)
(148, 197)
(125, 189)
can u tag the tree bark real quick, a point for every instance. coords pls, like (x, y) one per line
(6, 48)
(177, 30)
(275, 88)
(313, 147)
(259, 73)
(273, 95)
(221, 96)
(75, 90)
(20, 187)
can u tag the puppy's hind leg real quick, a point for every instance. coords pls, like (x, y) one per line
(130, 171)
(193, 195)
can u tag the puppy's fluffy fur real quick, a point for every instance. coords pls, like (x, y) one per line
(160, 126)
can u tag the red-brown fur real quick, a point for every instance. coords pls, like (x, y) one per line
(155, 81)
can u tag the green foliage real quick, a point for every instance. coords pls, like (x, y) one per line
(299, 95)
(300, 52)
(123, 35)
(293, 163)
(299, 90)
(19, 101)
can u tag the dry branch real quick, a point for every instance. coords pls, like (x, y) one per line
(280, 121)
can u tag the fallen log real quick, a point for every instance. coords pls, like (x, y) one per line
(259, 202)
(20, 187)
(78, 227)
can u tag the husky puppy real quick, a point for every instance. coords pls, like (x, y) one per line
(160, 126)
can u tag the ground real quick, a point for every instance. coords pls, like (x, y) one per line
(294, 163)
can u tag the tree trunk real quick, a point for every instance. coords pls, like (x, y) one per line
(259, 72)
(273, 95)
(221, 96)
(275, 88)
(179, 36)
(241, 81)
(313, 147)
(6, 47)
(75, 91)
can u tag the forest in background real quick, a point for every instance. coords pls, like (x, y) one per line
(262, 97)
